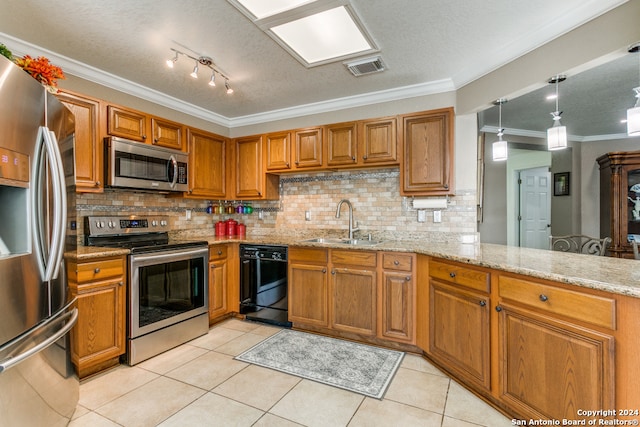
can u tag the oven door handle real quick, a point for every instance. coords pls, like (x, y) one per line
(164, 255)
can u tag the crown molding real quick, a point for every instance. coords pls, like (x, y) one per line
(112, 81)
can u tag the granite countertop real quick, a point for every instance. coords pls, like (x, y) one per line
(620, 276)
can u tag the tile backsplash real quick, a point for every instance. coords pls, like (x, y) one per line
(378, 207)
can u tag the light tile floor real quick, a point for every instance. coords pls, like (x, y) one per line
(200, 384)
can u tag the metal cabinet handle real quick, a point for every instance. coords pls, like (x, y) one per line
(333, 272)
(212, 265)
(498, 308)
(219, 252)
(353, 158)
(408, 278)
(396, 262)
(120, 283)
(452, 274)
(287, 164)
(98, 183)
(364, 157)
(446, 186)
(483, 303)
(543, 298)
(144, 136)
(96, 270)
(324, 270)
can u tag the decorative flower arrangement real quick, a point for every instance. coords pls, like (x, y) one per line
(41, 69)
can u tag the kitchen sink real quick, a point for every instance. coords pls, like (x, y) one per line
(353, 242)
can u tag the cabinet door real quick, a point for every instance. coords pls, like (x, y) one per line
(459, 331)
(99, 333)
(217, 288)
(126, 123)
(427, 143)
(308, 148)
(249, 169)
(88, 144)
(167, 134)
(354, 300)
(397, 309)
(278, 151)
(550, 369)
(341, 144)
(308, 294)
(378, 139)
(207, 177)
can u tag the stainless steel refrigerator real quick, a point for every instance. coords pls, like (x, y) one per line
(38, 385)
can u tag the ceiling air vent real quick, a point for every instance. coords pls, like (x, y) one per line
(365, 66)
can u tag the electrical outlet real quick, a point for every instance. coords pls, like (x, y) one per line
(260, 214)
(307, 215)
(437, 216)
(422, 215)
(187, 214)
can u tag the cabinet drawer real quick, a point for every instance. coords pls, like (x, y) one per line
(349, 257)
(460, 275)
(397, 261)
(588, 308)
(100, 270)
(217, 252)
(308, 255)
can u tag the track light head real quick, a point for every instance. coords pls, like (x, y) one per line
(226, 85)
(194, 73)
(172, 61)
(212, 80)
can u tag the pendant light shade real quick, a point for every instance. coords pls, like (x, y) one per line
(500, 147)
(633, 114)
(557, 134)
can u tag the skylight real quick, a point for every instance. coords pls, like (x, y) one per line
(314, 32)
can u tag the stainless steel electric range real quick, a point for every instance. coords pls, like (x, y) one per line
(167, 297)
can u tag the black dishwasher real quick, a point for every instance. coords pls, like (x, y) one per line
(263, 284)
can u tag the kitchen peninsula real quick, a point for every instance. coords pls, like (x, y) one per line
(505, 321)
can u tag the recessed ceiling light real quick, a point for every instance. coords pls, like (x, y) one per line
(325, 35)
(315, 32)
(261, 8)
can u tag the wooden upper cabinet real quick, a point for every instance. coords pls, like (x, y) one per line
(340, 141)
(167, 134)
(378, 141)
(126, 123)
(278, 151)
(308, 148)
(135, 125)
(207, 174)
(427, 158)
(251, 180)
(88, 144)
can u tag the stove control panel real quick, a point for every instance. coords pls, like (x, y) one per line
(132, 224)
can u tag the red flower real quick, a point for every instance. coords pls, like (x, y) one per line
(41, 69)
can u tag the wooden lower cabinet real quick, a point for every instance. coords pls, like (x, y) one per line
(98, 338)
(550, 369)
(308, 286)
(218, 287)
(459, 321)
(396, 316)
(353, 291)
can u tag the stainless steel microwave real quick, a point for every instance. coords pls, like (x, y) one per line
(141, 166)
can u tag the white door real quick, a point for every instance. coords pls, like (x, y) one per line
(535, 208)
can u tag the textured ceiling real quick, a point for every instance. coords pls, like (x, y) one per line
(427, 44)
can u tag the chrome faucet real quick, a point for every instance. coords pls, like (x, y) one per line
(351, 228)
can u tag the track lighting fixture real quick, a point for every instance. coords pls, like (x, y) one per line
(557, 134)
(172, 61)
(203, 61)
(194, 73)
(633, 114)
(499, 147)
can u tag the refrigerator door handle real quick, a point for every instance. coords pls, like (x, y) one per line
(47, 144)
(68, 319)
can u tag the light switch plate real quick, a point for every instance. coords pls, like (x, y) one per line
(422, 215)
(437, 216)
(307, 215)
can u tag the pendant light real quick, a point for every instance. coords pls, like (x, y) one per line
(499, 147)
(633, 114)
(557, 134)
